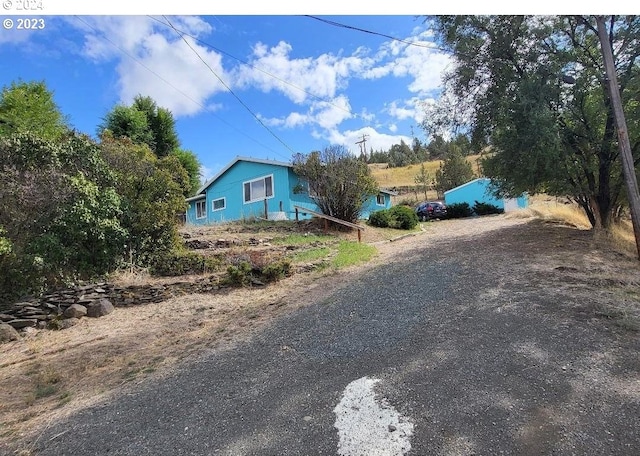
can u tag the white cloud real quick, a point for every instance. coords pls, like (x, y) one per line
(156, 62)
(273, 69)
(323, 114)
(374, 139)
(420, 61)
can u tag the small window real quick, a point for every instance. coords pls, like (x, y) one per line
(258, 189)
(380, 199)
(201, 209)
(219, 204)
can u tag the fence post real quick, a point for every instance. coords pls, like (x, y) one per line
(297, 217)
(266, 210)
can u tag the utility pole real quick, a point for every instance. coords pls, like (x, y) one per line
(363, 147)
(628, 167)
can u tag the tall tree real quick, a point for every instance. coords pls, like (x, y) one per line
(339, 180)
(30, 107)
(532, 88)
(454, 170)
(144, 122)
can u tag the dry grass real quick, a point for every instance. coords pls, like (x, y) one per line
(553, 210)
(405, 176)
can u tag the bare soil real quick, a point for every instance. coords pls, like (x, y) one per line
(50, 374)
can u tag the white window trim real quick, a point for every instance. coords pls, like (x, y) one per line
(383, 199)
(224, 204)
(204, 201)
(261, 198)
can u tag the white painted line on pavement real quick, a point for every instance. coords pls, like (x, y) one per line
(370, 426)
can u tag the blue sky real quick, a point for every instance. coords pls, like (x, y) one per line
(296, 83)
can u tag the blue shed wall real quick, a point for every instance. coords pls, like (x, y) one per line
(471, 192)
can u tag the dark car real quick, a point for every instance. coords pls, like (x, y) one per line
(430, 210)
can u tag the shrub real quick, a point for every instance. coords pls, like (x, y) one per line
(181, 263)
(459, 210)
(486, 209)
(276, 271)
(403, 217)
(239, 275)
(380, 219)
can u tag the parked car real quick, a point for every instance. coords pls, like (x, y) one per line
(430, 210)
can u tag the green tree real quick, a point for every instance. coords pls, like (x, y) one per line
(144, 122)
(509, 88)
(454, 170)
(30, 107)
(341, 182)
(191, 164)
(401, 155)
(164, 138)
(128, 121)
(151, 191)
(423, 179)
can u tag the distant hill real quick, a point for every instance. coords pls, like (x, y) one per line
(405, 176)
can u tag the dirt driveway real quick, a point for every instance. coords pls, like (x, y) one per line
(536, 324)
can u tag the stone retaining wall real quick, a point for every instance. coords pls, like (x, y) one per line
(51, 309)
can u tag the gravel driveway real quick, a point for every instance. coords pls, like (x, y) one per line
(486, 336)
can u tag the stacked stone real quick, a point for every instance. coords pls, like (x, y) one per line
(65, 308)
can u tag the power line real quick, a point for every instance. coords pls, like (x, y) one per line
(350, 27)
(228, 88)
(284, 81)
(171, 85)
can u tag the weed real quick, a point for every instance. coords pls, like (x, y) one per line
(351, 253)
(311, 254)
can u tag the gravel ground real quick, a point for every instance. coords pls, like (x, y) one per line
(493, 336)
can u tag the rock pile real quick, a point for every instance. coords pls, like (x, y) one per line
(64, 308)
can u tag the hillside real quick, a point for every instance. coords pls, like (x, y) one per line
(404, 176)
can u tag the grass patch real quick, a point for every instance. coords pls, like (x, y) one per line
(311, 254)
(302, 239)
(351, 253)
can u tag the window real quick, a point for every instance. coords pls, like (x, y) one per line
(201, 209)
(258, 189)
(219, 204)
(380, 199)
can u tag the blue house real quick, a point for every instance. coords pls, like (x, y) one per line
(250, 188)
(479, 190)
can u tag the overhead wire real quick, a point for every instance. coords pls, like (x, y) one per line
(123, 51)
(244, 62)
(255, 116)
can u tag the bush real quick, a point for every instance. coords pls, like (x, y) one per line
(403, 217)
(276, 271)
(181, 263)
(380, 219)
(459, 210)
(486, 209)
(239, 275)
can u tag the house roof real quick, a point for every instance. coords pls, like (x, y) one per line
(468, 183)
(233, 162)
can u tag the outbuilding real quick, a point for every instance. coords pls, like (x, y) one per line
(480, 190)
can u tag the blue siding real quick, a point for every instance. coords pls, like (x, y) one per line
(479, 190)
(228, 187)
(476, 190)
(372, 205)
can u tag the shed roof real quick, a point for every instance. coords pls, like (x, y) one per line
(236, 160)
(468, 183)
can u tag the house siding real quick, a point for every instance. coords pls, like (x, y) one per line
(230, 186)
(479, 190)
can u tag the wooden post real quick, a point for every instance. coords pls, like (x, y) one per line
(266, 210)
(628, 168)
(297, 216)
(359, 237)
